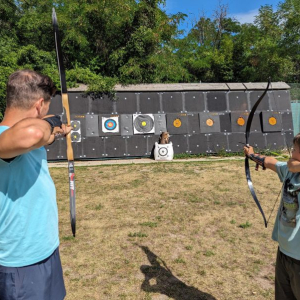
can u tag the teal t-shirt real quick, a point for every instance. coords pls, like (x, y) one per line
(28, 209)
(287, 225)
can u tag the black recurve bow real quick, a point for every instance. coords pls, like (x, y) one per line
(247, 169)
(65, 103)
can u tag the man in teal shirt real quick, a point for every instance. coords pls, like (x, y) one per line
(287, 225)
(30, 266)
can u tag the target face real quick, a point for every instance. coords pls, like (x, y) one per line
(163, 151)
(110, 124)
(75, 125)
(143, 124)
(177, 123)
(75, 137)
(240, 121)
(272, 121)
(210, 122)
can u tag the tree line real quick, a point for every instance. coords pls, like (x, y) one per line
(129, 41)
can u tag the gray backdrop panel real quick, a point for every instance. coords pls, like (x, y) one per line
(263, 105)
(172, 102)
(280, 100)
(217, 142)
(193, 123)
(238, 101)
(137, 145)
(101, 133)
(126, 125)
(234, 119)
(56, 107)
(197, 143)
(102, 105)
(79, 103)
(204, 128)
(257, 140)
(177, 130)
(287, 121)
(160, 123)
(289, 136)
(115, 146)
(58, 150)
(126, 103)
(216, 101)
(180, 144)
(267, 127)
(93, 147)
(225, 123)
(234, 142)
(149, 103)
(194, 101)
(92, 125)
(275, 140)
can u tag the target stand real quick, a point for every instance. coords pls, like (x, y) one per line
(163, 152)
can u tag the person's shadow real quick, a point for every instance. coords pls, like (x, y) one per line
(166, 282)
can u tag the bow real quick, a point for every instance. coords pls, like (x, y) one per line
(247, 169)
(65, 103)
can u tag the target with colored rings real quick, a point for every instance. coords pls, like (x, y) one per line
(75, 125)
(75, 137)
(272, 121)
(143, 123)
(240, 121)
(177, 123)
(110, 124)
(210, 122)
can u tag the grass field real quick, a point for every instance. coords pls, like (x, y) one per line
(183, 231)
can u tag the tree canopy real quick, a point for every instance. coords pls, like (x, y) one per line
(135, 41)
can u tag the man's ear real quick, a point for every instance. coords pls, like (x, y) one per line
(39, 104)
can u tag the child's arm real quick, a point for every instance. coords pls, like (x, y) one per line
(293, 165)
(265, 162)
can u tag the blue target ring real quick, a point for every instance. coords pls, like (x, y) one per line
(110, 124)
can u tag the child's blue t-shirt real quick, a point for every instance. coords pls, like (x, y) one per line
(28, 209)
(287, 225)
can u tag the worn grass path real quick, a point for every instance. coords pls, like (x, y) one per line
(182, 230)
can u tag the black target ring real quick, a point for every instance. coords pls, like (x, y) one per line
(163, 151)
(143, 123)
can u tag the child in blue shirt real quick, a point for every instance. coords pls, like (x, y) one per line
(287, 225)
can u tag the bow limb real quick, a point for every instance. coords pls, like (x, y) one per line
(65, 103)
(247, 168)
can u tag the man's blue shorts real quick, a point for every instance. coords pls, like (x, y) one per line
(40, 281)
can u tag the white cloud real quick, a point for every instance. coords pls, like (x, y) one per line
(247, 17)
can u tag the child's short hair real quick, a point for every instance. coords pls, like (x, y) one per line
(296, 139)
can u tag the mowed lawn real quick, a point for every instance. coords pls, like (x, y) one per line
(176, 230)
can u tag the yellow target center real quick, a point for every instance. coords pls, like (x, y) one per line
(144, 123)
(272, 121)
(240, 121)
(177, 123)
(210, 122)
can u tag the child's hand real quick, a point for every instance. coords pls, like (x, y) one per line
(248, 150)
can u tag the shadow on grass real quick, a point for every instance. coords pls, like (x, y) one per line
(166, 282)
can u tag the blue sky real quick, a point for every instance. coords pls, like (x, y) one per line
(243, 11)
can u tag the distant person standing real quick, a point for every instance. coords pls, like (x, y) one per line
(30, 267)
(287, 225)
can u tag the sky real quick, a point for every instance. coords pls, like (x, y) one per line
(241, 10)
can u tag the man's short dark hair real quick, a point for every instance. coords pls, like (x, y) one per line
(24, 87)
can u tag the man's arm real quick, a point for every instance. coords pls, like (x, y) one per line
(264, 161)
(27, 135)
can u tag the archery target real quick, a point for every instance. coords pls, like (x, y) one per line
(163, 151)
(209, 122)
(239, 121)
(177, 123)
(76, 131)
(271, 121)
(143, 124)
(110, 124)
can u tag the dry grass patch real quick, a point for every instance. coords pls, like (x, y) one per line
(167, 231)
